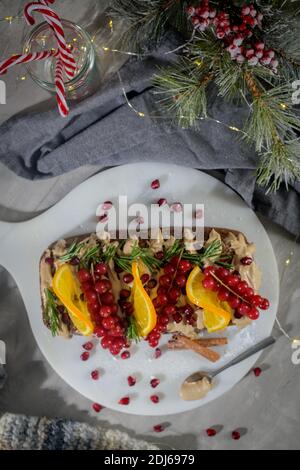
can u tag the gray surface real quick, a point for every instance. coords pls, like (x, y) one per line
(267, 408)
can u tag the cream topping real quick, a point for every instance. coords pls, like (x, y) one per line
(195, 390)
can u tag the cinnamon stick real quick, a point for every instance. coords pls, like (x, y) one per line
(184, 342)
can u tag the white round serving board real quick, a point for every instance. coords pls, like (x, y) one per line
(22, 244)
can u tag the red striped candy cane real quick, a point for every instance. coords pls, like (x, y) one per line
(25, 58)
(55, 22)
(60, 89)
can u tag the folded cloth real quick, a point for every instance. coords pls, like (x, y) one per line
(104, 130)
(19, 432)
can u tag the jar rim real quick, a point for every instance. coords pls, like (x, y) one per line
(85, 66)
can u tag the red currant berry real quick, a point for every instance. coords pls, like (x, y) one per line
(84, 275)
(108, 323)
(253, 313)
(169, 310)
(184, 265)
(233, 301)
(243, 309)
(99, 331)
(93, 308)
(256, 300)
(91, 296)
(107, 298)
(100, 268)
(162, 299)
(232, 280)
(105, 311)
(241, 287)
(180, 280)
(209, 283)
(174, 294)
(174, 261)
(248, 293)
(103, 286)
(165, 280)
(223, 273)
(265, 304)
(164, 319)
(169, 269)
(223, 294)
(209, 270)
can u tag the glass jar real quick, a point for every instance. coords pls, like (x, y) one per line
(87, 75)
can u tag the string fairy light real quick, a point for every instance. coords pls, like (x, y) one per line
(10, 18)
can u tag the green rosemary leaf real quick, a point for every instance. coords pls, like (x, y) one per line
(174, 250)
(109, 253)
(132, 331)
(213, 250)
(72, 251)
(91, 256)
(52, 312)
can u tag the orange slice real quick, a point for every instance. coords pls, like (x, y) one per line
(144, 311)
(67, 289)
(216, 314)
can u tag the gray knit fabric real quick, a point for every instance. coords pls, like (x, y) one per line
(18, 432)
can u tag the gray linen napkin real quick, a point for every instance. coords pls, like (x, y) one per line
(103, 130)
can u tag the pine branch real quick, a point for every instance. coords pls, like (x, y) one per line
(132, 332)
(52, 313)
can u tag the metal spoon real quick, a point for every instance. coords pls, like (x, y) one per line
(197, 376)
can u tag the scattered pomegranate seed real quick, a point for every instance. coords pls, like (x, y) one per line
(211, 432)
(157, 353)
(198, 214)
(158, 428)
(162, 202)
(95, 374)
(128, 278)
(154, 382)
(85, 356)
(103, 218)
(145, 278)
(131, 380)
(154, 398)
(49, 261)
(176, 207)
(124, 401)
(125, 355)
(107, 205)
(235, 435)
(97, 407)
(155, 184)
(88, 346)
(257, 371)
(247, 260)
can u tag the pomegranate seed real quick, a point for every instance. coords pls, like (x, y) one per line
(152, 283)
(176, 207)
(235, 435)
(125, 355)
(257, 371)
(162, 202)
(107, 205)
(131, 380)
(124, 293)
(154, 398)
(159, 255)
(145, 278)
(127, 278)
(97, 407)
(177, 318)
(88, 346)
(237, 315)
(124, 401)
(155, 184)
(158, 428)
(211, 432)
(49, 261)
(74, 261)
(85, 356)
(103, 218)
(265, 304)
(247, 260)
(100, 268)
(84, 275)
(154, 382)
(95, 374)
(157, 353)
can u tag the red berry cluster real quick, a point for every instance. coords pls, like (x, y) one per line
(235, 35)
(230, 288)
(171, 285)
(97, 290)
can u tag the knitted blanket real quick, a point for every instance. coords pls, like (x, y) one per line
(18, 432)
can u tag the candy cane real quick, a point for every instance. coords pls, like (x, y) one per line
(25, 58)
(55, 22)
(60, 89)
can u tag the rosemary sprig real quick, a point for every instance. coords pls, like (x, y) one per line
(52, 312)
(125, 261)
(90, 256)
(132, 332)
(174, 250)
(212, 252)
(109, 253)
(72, 251)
